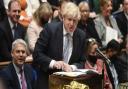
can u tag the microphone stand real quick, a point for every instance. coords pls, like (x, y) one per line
(105, 60)
(102, 76)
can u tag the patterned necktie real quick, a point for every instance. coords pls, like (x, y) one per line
(67, 47)
(23, 82)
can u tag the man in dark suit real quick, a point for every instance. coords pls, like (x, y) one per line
(17, 74)
(112, 52)
(10, 30)
(49, 53)
(86, 23)
(121, 64)
(122, 19)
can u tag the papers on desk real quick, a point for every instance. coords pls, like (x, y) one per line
(70, 74)
(87, 71)
(76, 73)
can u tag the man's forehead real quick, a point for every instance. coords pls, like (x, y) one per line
(19, 46)
(15, 5)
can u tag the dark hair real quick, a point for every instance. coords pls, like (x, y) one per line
(10, 3)
(113, 45)
(44, 9)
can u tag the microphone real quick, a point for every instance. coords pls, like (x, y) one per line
(102, 55)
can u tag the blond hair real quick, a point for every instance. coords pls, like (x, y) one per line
(71, 10)
(44, 9)
(104, 2)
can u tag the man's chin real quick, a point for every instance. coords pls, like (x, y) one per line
(20, 65)
(71, 30)
(21, 62)
(16, 21)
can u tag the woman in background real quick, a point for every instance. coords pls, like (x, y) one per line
(105, 22)
(94, 62)
(41, 16)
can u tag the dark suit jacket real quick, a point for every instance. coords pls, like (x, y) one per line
(6, 38)
(11, 78)
(110, 73)
(121, 65)
(89, 29)
(2, 10)
(50, 46)
(122, 23)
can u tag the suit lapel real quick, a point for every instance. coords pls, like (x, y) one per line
(112, 21)
(103, 21)
(75, 44)
(59, 40)
(15, 80)
(27, 77)
(8, 32)
(125, 20)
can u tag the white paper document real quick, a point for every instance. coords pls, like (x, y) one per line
(70, 74)
(111, 34)
(86, 70)
(76, 73)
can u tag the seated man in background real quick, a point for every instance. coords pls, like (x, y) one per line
(122, 19)
(86, 23)
(112, 52)
(10, 30)
(17, 74)
(121, 64)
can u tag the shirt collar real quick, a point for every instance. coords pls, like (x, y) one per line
(17, 68)
(11, 24)
(126, 15)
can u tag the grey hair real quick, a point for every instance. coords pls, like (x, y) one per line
(20, 41)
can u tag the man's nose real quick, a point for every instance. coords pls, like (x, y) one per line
(21, 53)
(72, 22)
(17, 16)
